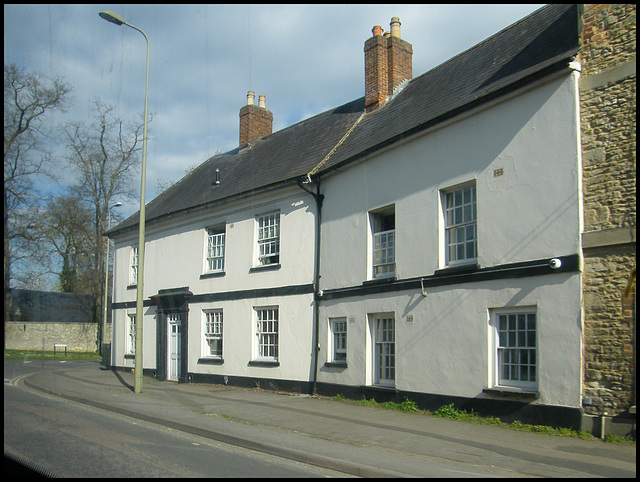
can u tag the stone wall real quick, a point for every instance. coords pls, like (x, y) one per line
(31, 335)
(608, 107)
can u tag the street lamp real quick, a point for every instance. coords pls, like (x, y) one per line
(106, 281)
(112, 17)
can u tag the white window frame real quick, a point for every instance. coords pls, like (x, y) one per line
(383, 350)
(338, 340)
(268, 239)
(460, 224)
(131, 333)
(383, 243)
(515, 350)
(215, 245)
(133, 266)
(267, 331)
(213, 330)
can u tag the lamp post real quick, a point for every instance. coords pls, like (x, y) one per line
(137, 379)
(106, 282)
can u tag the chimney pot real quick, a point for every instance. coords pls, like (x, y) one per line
(395, 27)
(387, 63)
(262, 101)
(255, 121)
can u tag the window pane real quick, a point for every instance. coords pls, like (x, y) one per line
(460, 218)
(516, 352)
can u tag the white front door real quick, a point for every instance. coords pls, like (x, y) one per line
(175, 345)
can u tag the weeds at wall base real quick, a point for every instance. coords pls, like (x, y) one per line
(452, 413)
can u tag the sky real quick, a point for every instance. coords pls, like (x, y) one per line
(204, 59)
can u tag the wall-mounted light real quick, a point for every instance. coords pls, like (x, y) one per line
(555, 263)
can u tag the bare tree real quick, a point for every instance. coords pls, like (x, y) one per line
(28, 100)
(67, 228)
(104, 154)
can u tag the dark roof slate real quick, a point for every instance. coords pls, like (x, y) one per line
(489, 69)
(281, 157)
(530, 48)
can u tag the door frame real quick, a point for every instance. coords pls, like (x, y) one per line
(170, 324)
(172, 301)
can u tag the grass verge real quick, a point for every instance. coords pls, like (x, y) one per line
(49, 355)
(452, 413)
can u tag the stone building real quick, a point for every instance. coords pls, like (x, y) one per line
(608, 111)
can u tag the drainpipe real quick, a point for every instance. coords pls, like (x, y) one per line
(316, 283)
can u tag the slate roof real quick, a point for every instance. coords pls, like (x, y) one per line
(533, 47)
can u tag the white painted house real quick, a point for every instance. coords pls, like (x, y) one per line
(422, 241)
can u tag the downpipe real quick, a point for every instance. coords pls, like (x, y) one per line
(315, 347)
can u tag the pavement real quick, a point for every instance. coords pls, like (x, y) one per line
(353, 439)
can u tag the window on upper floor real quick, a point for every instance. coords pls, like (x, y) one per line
(268, 238)
(461, 233)
(215, 247)
(133, 266)
(383, 229)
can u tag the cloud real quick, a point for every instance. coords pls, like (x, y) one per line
(204, 58)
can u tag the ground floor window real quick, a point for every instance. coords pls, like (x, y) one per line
(338, 327)
(516, 348)
(267, 333)
(131, 334)
(213, 333)
(384, 350)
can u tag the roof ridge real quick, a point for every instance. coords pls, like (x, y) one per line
(335, 148)
(483, 41)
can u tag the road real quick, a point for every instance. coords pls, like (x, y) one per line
(79, 419)
(68, 439)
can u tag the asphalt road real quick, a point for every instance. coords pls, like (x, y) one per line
(67, 439)
(79, 419)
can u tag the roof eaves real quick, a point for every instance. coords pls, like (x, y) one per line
(119, 231)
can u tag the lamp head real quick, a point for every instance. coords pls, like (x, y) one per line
(112, 17)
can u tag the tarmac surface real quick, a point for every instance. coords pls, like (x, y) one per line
(353, 439)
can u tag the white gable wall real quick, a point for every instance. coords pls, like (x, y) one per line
(531, 211)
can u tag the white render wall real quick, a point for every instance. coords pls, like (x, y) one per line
(531, 211)
(446, 349)
(174, 258)
(295, 335)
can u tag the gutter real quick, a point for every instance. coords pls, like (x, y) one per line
(120, 231)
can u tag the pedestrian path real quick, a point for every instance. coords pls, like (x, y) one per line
(354, 439)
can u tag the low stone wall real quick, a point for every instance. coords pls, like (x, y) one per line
(31, 335)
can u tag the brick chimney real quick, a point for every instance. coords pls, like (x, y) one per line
(387, 63)
(256, 121)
